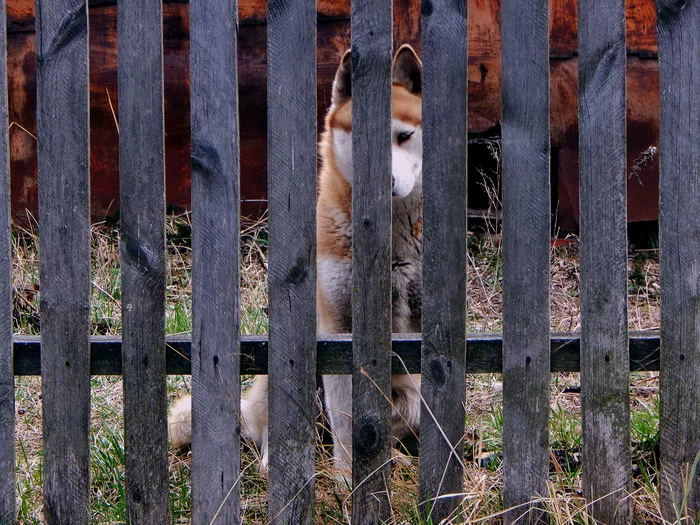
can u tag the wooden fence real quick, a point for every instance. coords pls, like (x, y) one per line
(526, 352)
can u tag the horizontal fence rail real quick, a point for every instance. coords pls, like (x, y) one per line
(335, 354)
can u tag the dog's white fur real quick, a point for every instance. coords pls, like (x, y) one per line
(334, 280)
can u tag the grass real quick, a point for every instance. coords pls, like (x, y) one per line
(482, 501)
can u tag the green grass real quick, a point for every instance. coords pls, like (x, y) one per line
(483, 404)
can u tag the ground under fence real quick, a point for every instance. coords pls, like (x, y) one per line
(524, 352)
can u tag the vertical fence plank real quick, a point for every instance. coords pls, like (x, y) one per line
(64, 228)
(679, 236)
(142, 182)
(371, 28)
(7, 391)
(604, 341)
(291, 91)
(526, 230)
(443, 365)
(215, 273)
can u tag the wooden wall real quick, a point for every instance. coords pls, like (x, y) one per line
(333, 39)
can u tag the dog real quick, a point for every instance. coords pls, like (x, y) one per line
(334, 261)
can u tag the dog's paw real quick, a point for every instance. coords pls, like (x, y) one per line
(180, 423)
(340, 470)
(343, 477)
(399, 458)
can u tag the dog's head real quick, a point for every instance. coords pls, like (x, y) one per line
(406, 129)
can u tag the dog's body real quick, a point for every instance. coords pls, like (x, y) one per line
(334, 259)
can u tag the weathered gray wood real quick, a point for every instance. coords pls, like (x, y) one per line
(371, 29)
(291, 92)
(679, 236)
(444, 27)
(64, 214)
(604, 347)
(526, 230)
(142, 181)
(7, 391)
(215, 272)
(334, 354)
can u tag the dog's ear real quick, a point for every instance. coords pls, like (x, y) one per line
(342, 85)
(407, 70)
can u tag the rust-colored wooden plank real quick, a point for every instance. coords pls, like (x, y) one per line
(333, 38)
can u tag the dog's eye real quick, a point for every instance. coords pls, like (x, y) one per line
(403, 136)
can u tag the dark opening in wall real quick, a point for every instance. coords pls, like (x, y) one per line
(484, 180)
(484, 184)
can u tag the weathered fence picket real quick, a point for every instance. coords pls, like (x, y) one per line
(604, 346)
(292, 136)
(7, 390)
(64, 230)
(443, 387)
(679, 237)
(526, 240)
(142, 203)
(215, 266)
(371, 253)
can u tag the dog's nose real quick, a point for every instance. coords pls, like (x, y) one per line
(393, 181)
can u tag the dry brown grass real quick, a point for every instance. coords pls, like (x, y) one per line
(483, 416)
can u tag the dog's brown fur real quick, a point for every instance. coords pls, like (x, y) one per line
(334, 257)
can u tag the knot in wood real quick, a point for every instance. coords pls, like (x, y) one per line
(439, 368)
(206, 161)
(367, 436)
(297, 274)
(136, 495)
(5, 393)
(140, 257)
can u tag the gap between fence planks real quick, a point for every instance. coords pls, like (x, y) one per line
(64, 215)
(142, 203)
(526, 243)
(292, 135)
(215, 269)
(443, 387)
(605, 398)
(371, 31)
(679, 237)
(7, 391)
